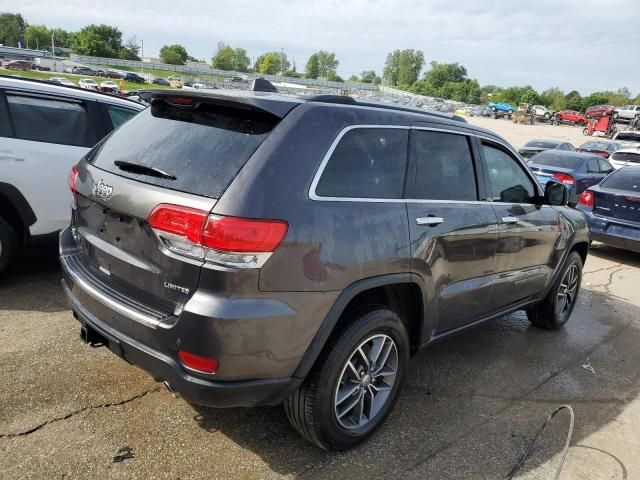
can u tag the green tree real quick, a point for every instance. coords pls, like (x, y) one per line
(553, 98)
(402, 67)
(174, 54)
(131, 49)
(270, 64)
(12, 29)
(97, 40)
(354, 78)
(223, 59)
(283, 61)
(241, 60)
(334, 77)
(312, 69)
(368, 76)
(573, 100)
(327, 64)
(62, 38)
(38, 37)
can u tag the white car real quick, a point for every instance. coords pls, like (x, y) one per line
(110, 84)
(627, 113)
(88, 84)
(628, 138)
(44, 130)
(542, 112)
(62, 81)
(625, 157)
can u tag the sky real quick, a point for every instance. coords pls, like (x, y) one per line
(571, 44)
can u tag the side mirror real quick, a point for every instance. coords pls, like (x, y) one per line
(556, 194)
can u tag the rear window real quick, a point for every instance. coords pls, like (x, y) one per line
(557, 161)
(628, 136)
(623, 179)
(626, 157)
(598, 146)
(204, 147)
(541, 144)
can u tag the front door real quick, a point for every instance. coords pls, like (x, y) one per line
(528, 228)
(453, 235)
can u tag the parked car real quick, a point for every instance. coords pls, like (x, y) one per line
(109, 84)
(113, 74)
(627, 113)
(161, 81)
(625, 157)
(41, 68)
(335, 276)
(578, 171)
(571, 116)
(612, 209)
(19, 65)
(133, 77)
(627, 138)
(199, 85)
(84, 71)
(177, 78)
(540, 145)
(88, 83)
(44, 130)
(62, 81)
(501, 107)
(542, 112)
(603, 148)
(599, 111)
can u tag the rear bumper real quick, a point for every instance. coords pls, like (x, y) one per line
(613, 232)
(164, 368)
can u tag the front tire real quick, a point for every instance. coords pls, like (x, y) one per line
(556, 308)
(8, 244)
(354, 383)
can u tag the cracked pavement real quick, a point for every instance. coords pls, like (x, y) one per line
(469, 409)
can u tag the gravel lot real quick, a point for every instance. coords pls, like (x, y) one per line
(470, 407)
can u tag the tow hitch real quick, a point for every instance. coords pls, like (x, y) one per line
(90, 336)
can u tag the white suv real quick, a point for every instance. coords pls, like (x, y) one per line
(628, 112)
(44, 130)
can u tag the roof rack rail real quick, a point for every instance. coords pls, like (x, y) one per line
(341, 99)
(419, 111)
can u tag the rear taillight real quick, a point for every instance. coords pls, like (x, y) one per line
(198, 362)
(586, 199)
(564, 178)
(633, 199)
(72, 180)
(229, 241)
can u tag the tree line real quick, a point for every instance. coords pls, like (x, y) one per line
(403, 69)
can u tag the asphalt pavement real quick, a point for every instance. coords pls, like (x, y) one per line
(470, 408)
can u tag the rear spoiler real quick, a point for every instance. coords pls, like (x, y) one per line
(272, 104)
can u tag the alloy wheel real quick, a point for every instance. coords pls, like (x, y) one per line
(567, 291)
(366, 381)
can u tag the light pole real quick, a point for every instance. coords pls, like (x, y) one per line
(53, 50)
(282, 61)
(142, 53)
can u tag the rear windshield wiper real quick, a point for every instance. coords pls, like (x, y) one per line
(143, 169)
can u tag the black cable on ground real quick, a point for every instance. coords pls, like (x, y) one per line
(529, 449)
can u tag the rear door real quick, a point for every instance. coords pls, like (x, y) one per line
(453, 231)
(48, 134)
(527, 229)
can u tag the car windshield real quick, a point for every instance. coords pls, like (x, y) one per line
(562, 161)
(597, 146)
(541, 144)
(628, 136)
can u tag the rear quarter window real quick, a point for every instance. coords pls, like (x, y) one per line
(623, 179)
(203, 147)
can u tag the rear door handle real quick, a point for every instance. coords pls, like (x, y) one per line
(510, 219)
(429, 220)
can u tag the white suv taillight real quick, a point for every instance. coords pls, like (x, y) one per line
(228, 241)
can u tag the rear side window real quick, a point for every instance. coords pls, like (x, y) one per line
(51, 120)
(366, 163)
(623, 179)
(605, 167)
(509, 182)
(119, 115)
(204, 148)
(626, 157)
(441, 167)
(5, 126)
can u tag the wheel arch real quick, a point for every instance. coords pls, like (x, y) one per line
(394, 287)
(15, 209)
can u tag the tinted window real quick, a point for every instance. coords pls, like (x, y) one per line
(509, 182)
(626, 157)
(557, 160)
(366, 163)
(441, 167)
(605, 167)
(5, 126)
(51, 120)
(597, 146)
(592, 166)
(623, 179)
(204, 147)
(119, 115)
(628, 136)
(541, 144)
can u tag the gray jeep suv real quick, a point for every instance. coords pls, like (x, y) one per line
(258, 249)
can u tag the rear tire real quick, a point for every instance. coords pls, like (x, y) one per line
(556, 308)
(585, 131)
(8, 244)
(319, 409)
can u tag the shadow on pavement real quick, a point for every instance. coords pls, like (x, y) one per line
(32, 282)
(472, 404)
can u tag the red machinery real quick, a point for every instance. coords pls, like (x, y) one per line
(604, 124)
